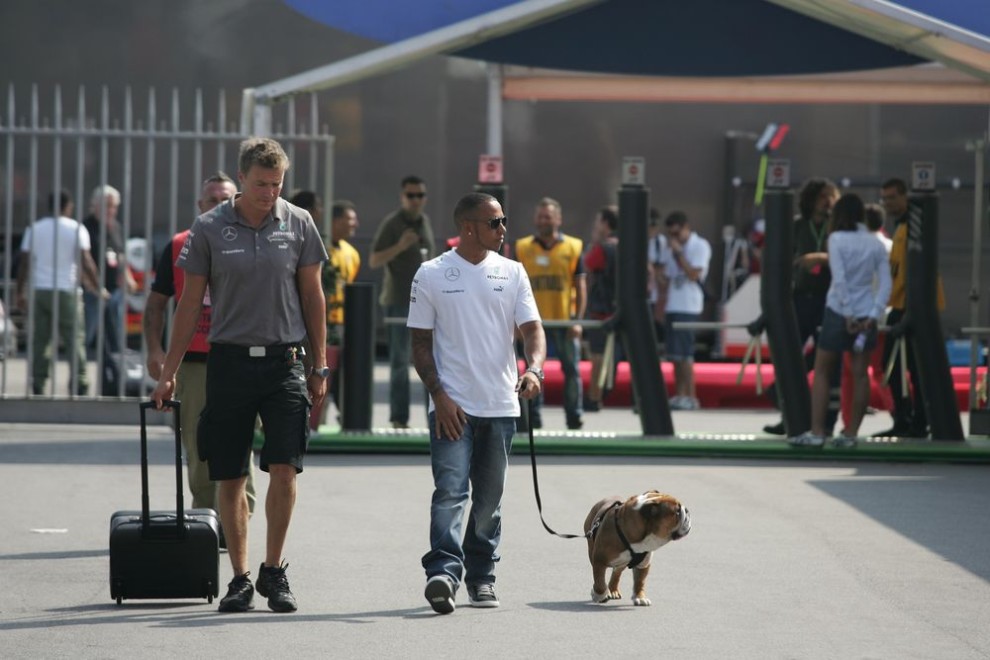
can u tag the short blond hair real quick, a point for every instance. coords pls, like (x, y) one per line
(263, 152)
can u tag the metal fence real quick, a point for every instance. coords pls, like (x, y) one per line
(157, 161)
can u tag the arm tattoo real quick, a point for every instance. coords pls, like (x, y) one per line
(426, 366)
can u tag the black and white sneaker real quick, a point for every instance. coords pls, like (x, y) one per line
(440, 594)
(482, 595)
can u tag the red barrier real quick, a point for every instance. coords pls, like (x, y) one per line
(716, 385)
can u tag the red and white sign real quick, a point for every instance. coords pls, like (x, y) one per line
(778, 173)
(489, 169)
(633, 171)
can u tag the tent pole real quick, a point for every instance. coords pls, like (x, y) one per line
(494, 109)
(978, 147)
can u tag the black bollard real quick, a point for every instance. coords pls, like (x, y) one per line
(635, 316)
(925, 329)
(357, 360)
(777, 305)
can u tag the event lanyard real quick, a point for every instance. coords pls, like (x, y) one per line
(819, 235)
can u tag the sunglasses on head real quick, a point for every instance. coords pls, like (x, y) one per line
(415, 195)
(495, 223)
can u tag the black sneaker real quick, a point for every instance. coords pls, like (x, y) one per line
(899, 431)
(240, 593)
(273, 585)
(440, 594)
(775, 429)
(482, 595)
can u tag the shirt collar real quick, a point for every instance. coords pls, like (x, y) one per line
(556, 239)
(277, 215)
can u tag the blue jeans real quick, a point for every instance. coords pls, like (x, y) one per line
(569, 354)
(398, 357)
(475, 464)
(111, 322)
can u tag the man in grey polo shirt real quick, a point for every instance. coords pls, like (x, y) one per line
(261, 258)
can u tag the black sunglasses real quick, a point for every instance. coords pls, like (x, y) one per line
(415, 195)
(494, 223)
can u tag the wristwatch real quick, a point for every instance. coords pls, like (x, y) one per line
(536, 371)
(323, 373)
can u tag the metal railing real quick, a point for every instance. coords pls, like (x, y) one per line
(157, 163)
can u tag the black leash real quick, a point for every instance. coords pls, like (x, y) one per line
(536, 484)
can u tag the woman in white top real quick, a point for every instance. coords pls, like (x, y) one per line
(853, 307)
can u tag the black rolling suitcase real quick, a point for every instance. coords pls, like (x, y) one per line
(164, 554)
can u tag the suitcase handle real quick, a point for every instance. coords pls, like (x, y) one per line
(145, 504)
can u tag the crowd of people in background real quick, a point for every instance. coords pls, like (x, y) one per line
(572, 279)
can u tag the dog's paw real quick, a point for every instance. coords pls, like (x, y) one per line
(599, 598)
(641, 600)
(615, 594)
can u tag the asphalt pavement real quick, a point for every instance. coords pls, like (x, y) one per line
(785, 560)
(835, 558)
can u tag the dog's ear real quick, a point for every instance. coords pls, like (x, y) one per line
(663, 508)
(659, 509)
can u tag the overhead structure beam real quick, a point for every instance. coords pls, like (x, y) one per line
(453, 37)
(770, 89)
(904, 29)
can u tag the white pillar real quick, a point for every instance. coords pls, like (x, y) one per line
(494, 110)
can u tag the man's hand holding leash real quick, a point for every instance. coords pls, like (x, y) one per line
(530, 383)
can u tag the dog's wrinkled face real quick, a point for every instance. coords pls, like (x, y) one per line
(666, 517)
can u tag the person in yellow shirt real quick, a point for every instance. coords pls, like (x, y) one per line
(343, 266)
(338, 271)
(553, 262)
(910, 418)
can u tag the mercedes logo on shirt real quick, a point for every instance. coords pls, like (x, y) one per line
(452, 273)
(228, 233)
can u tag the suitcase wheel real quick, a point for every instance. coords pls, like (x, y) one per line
(120, 600)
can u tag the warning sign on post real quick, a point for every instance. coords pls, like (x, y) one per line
(490, 169)
(633, 171)
(922, 175)
(778, 173)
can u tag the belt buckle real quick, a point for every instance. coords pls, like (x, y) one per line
(256, 351)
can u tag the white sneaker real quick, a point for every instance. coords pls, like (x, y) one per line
(807, 439)
(680, 403)
(844, 441)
